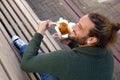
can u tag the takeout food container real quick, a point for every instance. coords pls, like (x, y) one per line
(63, 28)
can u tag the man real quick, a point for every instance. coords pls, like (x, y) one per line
(90, 59)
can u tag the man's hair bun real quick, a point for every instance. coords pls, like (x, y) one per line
(116, 26)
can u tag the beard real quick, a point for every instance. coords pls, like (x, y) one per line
(80, 41)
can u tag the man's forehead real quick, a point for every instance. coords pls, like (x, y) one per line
(83, 17)
(85, 21)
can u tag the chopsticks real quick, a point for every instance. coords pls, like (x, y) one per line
(54, 23)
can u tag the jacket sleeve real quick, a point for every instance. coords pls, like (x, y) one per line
(48, 63)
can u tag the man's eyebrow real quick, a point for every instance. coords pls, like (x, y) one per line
(80, 26)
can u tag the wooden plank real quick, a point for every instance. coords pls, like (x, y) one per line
(23, 20)
(28, 16)
(37, 20)
(15, 26)
(19, 13)
(21, 16)
(26, 13)
(34, 16)
(15, 51)
(74, 8)
(3, 75)
(48, 44)
(117, 44)
(117, 47)
(50, 38)
(8, 58)
(26, 24)
(7, 24)
(116, 74)
(10, 19)
(116, 54)
(16, 19)
(14, 34)
(34, 24)
(69, 9)
(7, 29)
(8, 38)
(11, 31)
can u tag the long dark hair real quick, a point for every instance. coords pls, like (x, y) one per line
(104, 31)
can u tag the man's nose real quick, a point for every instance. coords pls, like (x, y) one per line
(74, 27)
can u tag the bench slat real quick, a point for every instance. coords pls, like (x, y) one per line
(54, 43)
(12, 21)
(6, 23)
(23, 28)
(8, 38)
(9, 27)
(116, 54)
(26, 13)
(50, 38)
(45, 40)
(13, 71)
(3, 75)
(21, 16)
(116, 70)
(15, 17)
(34, 24)
(29, 29)
(30, 20)
(34, 16)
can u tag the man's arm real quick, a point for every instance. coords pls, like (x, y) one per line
(48, 63)
(32, 50)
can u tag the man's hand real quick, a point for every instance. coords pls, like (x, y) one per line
(63, 41)
(43, 26)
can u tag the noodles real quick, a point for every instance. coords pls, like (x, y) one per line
(64, 28)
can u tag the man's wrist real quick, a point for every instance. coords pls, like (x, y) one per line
(40, 32)
(39, 35)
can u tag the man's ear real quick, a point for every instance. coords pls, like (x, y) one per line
(91, 40)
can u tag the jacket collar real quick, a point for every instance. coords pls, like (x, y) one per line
(93, 51)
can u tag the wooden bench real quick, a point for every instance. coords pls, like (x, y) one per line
(17, 18)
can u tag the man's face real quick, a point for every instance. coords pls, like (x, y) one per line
(81, 30)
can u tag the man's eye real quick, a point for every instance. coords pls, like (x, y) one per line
(79, 27)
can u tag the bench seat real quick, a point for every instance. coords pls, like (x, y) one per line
(17, 18)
